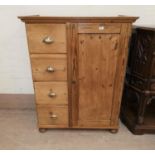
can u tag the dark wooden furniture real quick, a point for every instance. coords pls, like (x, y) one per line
(78, 67)
(138, 104)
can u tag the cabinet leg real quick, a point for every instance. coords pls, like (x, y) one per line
(42, 130)
(114, 130)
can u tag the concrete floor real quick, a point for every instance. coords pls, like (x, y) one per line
(18, 131)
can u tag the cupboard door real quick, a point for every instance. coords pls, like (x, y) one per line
(95, 77)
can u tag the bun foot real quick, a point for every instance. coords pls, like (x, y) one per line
(114, 130)
(42, 130)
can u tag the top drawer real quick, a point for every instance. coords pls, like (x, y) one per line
(46, 38)
(99, 28)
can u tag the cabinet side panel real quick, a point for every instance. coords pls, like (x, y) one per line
(121, 67)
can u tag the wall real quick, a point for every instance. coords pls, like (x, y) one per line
(15, 74)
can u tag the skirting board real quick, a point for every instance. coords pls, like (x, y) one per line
(17, 101)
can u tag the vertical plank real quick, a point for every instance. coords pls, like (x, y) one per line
(121, 67)
(72, 73)
(69, 30)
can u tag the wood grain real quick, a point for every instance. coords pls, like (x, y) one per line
(42, 90)
(45, 115)
(96, 75)
(46, 19)
(37, 32)
(95, 28)
(41, 62)
(69, 31)
(74, 74)
(93, 124)
(89, 55)
(121, 66)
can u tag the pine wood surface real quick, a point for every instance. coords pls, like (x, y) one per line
(89, 55)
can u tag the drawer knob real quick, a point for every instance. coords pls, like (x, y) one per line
(52, 94)
(53, 116)
(50, 69)
(48, 40)
(101, 27)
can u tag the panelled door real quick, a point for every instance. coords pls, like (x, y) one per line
(94, 69)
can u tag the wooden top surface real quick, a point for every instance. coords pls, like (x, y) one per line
(50, 19)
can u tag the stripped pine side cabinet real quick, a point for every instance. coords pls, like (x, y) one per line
(78, 67)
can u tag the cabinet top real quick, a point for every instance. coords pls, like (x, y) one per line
(49, 19)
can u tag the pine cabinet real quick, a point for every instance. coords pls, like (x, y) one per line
(78, 67)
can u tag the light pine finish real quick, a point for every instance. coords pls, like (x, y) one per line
(72, 73)
(89, 55)
(46, 19)
(54, 116)
(41, 63)
(37, 32)
(95, 89)
(44, 91)
(121, 66)
(99, 28)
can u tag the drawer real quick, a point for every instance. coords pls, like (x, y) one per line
(51, 93)
(46, 38)
(99, 28)
(49, 67)
(52, 115)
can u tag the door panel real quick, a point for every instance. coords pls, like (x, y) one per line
(97, 61)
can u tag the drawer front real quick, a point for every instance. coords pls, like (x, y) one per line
(52, 115)
(53, 93)
(49, 67)
(46, 38)
(99, 28)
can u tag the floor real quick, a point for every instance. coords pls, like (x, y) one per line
(19, 131)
